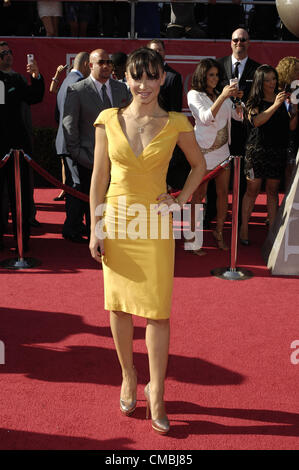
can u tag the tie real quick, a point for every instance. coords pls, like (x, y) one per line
(105, 97)
(236, 71)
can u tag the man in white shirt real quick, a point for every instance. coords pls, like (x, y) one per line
(237, 65)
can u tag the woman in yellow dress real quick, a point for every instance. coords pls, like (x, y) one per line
(132, 152)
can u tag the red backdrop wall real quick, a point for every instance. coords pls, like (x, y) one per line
(183, 55)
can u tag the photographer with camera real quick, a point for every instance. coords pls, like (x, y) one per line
(15, 134)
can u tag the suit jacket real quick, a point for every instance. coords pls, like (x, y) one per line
(71, 78)
(238, 131)
(172, 90)
(246, 77)
(14, 133)
(82, 106)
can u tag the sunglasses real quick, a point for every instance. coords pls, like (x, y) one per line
(4, 53)
(236, 40)
(105, 62)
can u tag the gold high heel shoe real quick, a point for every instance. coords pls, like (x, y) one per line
(162, 425)
(220, 242)
(127, 408)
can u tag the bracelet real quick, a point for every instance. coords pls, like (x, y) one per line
(54, 79)
(177, 201)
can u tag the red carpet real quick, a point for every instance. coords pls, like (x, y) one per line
(230, 385)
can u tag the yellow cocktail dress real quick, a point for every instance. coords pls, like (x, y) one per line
(138, 263)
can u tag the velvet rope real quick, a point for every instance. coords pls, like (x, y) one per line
(54, 181)
(84, 197)
(212, 174)
(5, 159)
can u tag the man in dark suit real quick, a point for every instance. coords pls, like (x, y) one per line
(172, 90)
(172, 97)
(14, 134)
(84, 102)
(237, 65)
(72, 228)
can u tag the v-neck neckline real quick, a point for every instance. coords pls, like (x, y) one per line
(151, 141)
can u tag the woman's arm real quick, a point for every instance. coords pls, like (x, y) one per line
(261, 118)
(54, 86)
(200, 107)
(227, 92)
(98, 187)
(187, 142)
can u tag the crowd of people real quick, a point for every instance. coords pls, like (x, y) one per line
(255, 120)
(121, 135)
(113, 19)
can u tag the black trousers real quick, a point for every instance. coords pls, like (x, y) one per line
(85, 179)
(74, 207)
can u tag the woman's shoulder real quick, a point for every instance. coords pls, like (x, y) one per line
(105, 116)
(180, 121)
(195, 93)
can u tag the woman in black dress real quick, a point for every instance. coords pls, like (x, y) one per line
(265, 154)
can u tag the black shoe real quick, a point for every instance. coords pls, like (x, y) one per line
(75, 238)
(59, 198)
(244, 242)
(35, 223)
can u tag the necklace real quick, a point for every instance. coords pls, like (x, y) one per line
(140, 128)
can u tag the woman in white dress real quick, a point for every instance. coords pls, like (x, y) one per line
(212, 112)
(50, 12)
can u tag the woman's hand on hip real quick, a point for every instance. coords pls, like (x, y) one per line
(165, 201)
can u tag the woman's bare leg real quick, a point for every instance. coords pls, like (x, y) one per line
(157, 342)
(49, 26)
(252, 191)
(122, 328)
(222, 183)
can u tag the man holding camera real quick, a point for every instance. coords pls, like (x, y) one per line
(15, 135)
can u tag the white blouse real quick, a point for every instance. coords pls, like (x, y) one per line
(206, 125)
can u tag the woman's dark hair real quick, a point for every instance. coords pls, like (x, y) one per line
(199, 77)
(145, 60)
(257, 90)
(148, 61)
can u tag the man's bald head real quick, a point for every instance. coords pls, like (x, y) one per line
(100, 65)
(240, 43)
(81, 63)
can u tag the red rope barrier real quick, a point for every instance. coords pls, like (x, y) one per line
(54, 181)
(84, 197)
(212, 174)
(4, 160)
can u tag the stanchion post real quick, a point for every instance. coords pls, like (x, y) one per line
(18, 190)
(20, 262)
(233, 273)
(235, 213)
